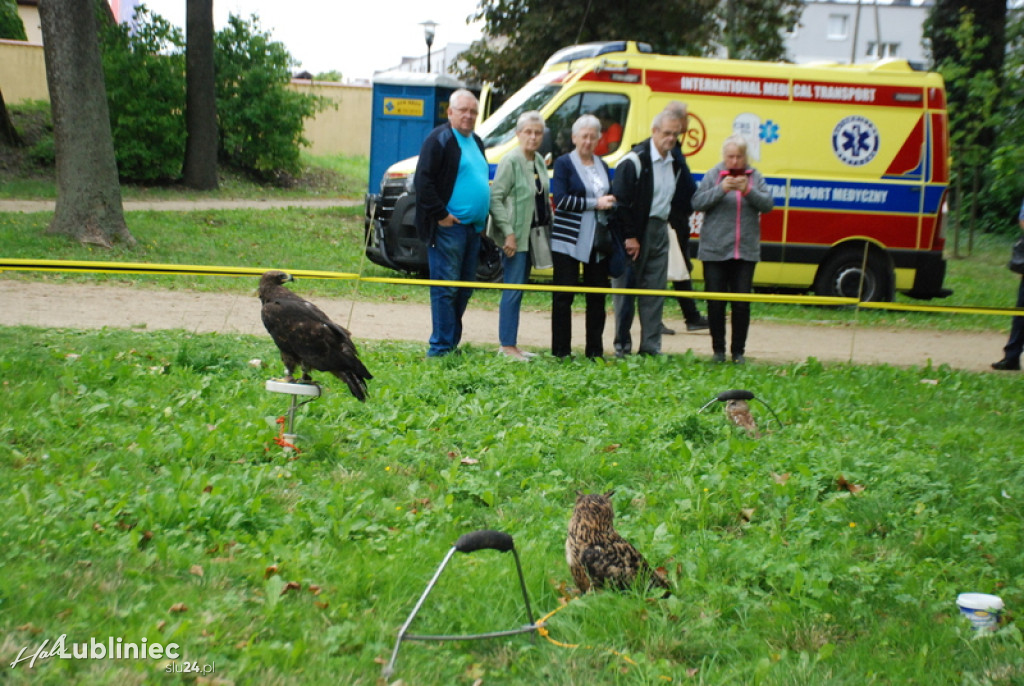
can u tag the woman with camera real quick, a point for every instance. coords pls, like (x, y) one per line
(733, 197)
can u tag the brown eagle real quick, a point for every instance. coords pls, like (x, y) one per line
(307, 337)
(597, 555)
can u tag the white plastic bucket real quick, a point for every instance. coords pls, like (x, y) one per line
(982, 609)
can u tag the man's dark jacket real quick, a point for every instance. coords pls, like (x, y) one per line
(634, 194)
(436, 170)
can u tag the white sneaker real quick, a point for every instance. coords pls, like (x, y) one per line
(513, 353)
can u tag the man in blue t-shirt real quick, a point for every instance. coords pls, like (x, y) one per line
(452, 203)
(1015, 345)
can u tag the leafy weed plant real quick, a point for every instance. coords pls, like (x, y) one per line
(144, 495)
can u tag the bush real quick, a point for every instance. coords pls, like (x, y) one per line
(43, 153)
(144, 68)
(11, 26)
(260, 121)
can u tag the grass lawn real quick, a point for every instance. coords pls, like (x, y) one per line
(145, 497)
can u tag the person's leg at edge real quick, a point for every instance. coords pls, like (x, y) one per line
(444, 259)
(691, 314)
(565, 273)
(595, 275)
(515, 272)
(467, 272)
(688, 306)
(625, 309)
(741, 281)
(1015, 343)
(654, 277)
(715, 282)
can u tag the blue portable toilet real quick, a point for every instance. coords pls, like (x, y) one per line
(406, 107)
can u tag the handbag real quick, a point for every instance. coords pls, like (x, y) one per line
(677, 270)
(1016, 264)
(540, 246)
(618, 260)
(602, 235)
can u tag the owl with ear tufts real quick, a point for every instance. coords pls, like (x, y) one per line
(738, 412)
(598, 556)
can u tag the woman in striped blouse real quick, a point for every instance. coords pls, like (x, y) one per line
(580, 186)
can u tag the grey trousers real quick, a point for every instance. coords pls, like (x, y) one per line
(648, 271)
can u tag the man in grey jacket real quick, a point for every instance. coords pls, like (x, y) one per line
(652, 187)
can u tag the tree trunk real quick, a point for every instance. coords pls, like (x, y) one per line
(8, 134)
(200, 170)
(88, 191)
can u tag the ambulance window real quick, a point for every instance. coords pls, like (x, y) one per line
(610, 108)
(501, 126)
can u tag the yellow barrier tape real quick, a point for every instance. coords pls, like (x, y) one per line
(943, 309)
(18, 264)
(543, 631)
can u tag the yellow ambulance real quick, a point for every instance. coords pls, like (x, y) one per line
(857, 157)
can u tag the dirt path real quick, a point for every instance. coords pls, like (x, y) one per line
(89, 306)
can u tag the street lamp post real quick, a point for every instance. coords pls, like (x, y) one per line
(429, 29)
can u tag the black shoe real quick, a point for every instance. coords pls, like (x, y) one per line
(1007, 364)
(699, 325)
(665, 331)
(739, 359)
(718, 357)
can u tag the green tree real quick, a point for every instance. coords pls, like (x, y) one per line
(261, 121)
(944, 36)
(521, 34)
(969, 124)
(1000, 203)
(11, 26)
(754, 30)
(144, 69)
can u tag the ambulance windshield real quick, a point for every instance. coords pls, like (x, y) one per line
(501, 126)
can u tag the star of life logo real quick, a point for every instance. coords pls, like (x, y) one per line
(109, 649)
(855, 140)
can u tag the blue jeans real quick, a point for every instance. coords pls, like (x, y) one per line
(453, 257)
(517, 268)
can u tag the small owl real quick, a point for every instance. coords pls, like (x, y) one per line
(597, 555)
(738, 412)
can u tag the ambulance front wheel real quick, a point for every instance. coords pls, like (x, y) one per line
(841, 275)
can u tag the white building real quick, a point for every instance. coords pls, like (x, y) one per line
(854, 32)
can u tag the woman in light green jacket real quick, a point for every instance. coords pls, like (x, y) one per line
(519, 201)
